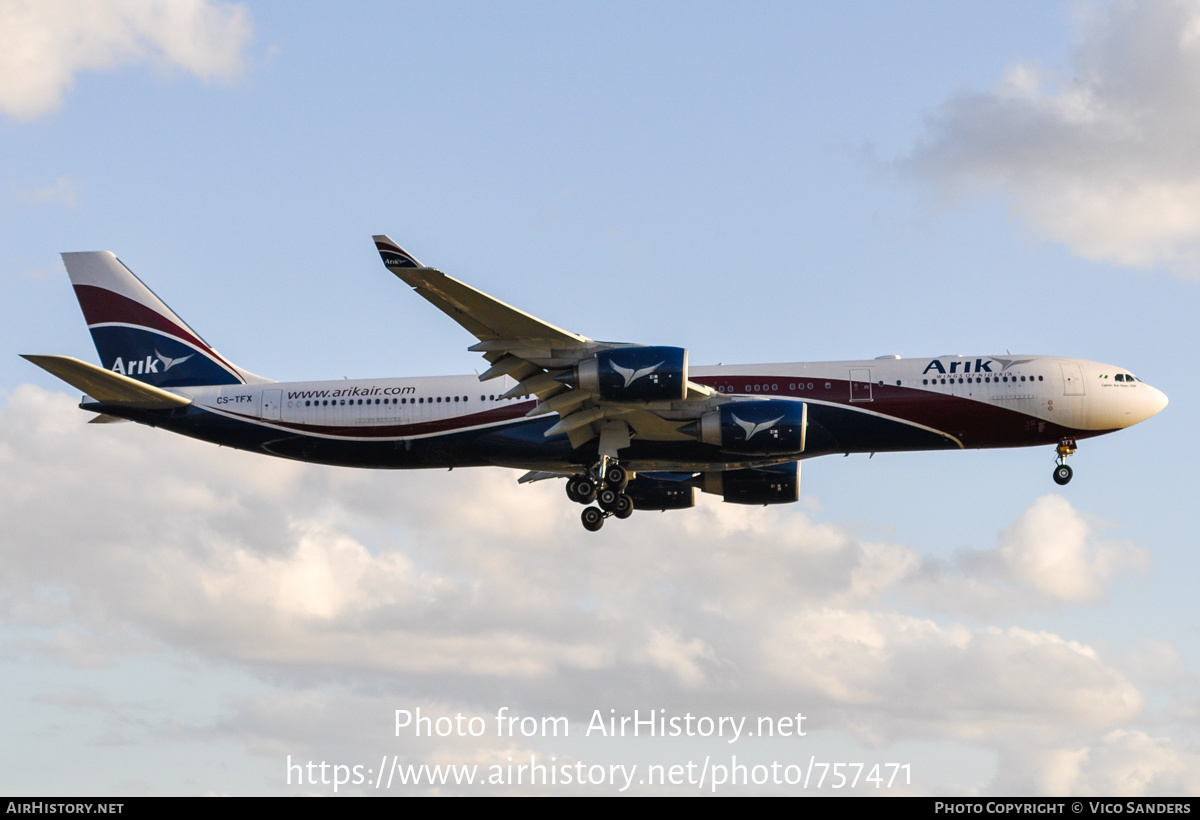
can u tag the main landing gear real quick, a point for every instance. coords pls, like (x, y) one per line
(1063, 473)
(605, 484)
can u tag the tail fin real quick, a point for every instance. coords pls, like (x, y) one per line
(136, 334)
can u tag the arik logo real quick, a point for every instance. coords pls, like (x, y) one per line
(751, 428)
(169, 363)
(396, 258)
(978, 366)
(150, 364)
(630, 375)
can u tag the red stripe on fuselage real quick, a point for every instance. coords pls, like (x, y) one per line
(422, 428)
(975, 421)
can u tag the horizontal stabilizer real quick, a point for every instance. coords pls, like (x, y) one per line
(107, 387)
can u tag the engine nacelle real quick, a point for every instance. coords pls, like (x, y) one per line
(777, 484)
(634, 374)
(757, 427)
(658, 494)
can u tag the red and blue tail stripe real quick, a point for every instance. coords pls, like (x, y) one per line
(136, 334)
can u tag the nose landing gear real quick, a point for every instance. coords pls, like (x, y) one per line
(1063, 473)
(605, 484)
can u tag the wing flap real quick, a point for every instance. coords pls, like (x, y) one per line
(104, 418)
(107, 387)
(540, 475)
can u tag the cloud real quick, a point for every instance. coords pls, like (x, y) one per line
(1101, 159)
(45, 43)
(463, 591)
(1050, 547)
(1128, 762)
(952, 680)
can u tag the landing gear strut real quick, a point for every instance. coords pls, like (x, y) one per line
(1063, 473)
(605, 484)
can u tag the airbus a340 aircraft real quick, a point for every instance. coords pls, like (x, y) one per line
(629, 426)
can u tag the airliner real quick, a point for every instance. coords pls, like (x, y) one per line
(628, 426)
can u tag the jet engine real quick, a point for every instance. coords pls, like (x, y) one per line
(777, 484)
(660, 494)
(633, 374)
(755, 427)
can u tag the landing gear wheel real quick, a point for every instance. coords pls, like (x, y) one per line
(624, 507)
(1062, 474)
(616, 477)
(573, 490)
(581, 490)
(585, 491)
(592, 519)
(608, 499)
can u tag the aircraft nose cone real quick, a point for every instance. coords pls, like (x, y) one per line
(1156, 401)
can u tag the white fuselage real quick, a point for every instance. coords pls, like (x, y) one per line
(1081, 395)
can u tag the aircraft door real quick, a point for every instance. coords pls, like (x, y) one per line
(270, 404)
(1072, 379)
(860, 384)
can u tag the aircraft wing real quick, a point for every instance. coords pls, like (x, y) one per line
(534, 352)
(498, 326)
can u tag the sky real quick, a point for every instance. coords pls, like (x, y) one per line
(762, 182)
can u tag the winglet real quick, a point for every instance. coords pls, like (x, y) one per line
(393, 255)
